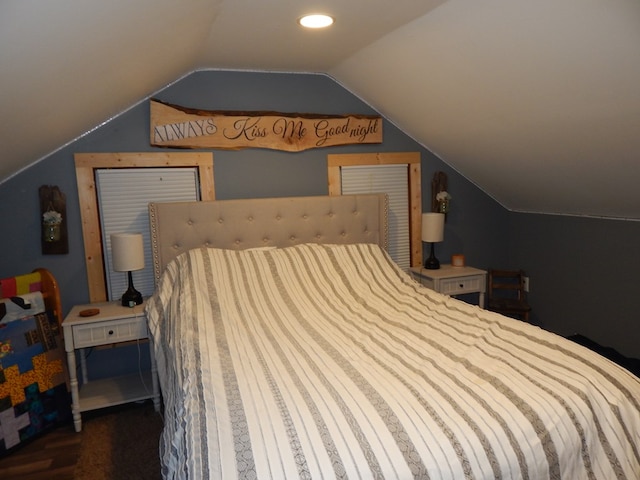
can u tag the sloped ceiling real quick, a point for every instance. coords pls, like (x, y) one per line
(538, 103)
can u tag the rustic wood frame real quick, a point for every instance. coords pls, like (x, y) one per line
(87, 163)
(412, 160)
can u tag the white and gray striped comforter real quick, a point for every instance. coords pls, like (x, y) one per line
(322, 362)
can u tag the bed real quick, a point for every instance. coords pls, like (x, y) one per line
(34, 395)
(289, 345)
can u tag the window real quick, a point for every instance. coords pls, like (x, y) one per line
(392, 180)
(124, 195)
(370, 177)
(87, 167)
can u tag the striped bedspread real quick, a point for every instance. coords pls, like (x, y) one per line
(322, 362)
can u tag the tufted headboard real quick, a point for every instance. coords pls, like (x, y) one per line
(267, 222)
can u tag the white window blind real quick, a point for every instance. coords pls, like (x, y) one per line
(123, 198)
(394, 181)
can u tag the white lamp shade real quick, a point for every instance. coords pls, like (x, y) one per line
(432, 227)
(127, 252)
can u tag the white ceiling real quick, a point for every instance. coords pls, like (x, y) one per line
(536, 102)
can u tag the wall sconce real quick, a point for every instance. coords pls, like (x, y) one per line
(53, 222)
(432, 232)
(440, 197)
(127, 255)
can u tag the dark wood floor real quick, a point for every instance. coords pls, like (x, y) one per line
(52, 456)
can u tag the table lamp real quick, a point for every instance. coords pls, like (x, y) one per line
(127, 255)
(432, 232)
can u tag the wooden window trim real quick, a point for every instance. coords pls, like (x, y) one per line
(412, 160)
(87, 163)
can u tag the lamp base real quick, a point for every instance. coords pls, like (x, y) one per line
(131, 297)
(432, 263)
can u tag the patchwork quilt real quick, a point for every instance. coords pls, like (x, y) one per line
(34, 394)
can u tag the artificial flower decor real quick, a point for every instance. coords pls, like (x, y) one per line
(443, 198)
(51, 221)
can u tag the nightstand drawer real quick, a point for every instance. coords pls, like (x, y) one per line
(102, 333)
(456, 286)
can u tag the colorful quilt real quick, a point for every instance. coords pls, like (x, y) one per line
(34, 394)
(17, 307)
(13, 286)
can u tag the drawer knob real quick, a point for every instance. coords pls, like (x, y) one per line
(110, 332)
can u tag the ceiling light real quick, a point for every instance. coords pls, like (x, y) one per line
(316, 21)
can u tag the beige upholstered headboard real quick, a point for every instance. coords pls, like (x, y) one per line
(278, 222)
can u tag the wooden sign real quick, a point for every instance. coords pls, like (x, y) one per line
(174, 126)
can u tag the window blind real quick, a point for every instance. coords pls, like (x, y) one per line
(123, 198)
(394, 181)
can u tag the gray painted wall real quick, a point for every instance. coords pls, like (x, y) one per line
(583, 274)
(238, 174)
(477, 226)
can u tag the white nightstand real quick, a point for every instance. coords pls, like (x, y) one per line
(452, 280)
(113, 324)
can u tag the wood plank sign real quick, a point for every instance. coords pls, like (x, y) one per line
(175, 126)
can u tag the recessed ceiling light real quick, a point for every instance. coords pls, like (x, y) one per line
(316, 21)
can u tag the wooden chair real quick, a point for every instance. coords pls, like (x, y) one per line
(506, 294)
